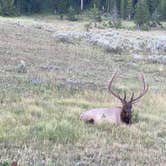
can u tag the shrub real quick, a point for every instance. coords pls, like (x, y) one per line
(114, 21)
(145, 27)
(115, 24)
(4, 164)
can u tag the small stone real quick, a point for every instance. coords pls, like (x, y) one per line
(21, 67)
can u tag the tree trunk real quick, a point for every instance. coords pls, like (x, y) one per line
(82, 5)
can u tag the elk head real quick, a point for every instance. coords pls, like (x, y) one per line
(126, 113)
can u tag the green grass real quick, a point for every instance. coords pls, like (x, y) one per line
(51, 124)
(39, 123)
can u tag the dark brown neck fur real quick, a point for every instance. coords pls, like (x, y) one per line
(125, 117)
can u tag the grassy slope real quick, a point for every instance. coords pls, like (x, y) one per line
(39, 124)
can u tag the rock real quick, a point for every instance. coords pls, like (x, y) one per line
(21, 67)
(65, 38)
(132, 64)
(49, 29)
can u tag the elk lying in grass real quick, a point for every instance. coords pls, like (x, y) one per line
(116, 114)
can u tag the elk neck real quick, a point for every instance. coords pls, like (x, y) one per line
(126, 116)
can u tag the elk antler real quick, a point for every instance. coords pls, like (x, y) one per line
(142, 93)
(113, 93)
(132, 100)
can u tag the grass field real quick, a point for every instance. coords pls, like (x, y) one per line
(39, 112)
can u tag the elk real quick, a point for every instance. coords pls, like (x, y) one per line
(116, 115)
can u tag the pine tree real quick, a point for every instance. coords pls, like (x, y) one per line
(94, 14)
(61, 6)
(141, 14)
(162, 9)
(8, 7)
(71, 14)
(1, 10)
(126, 9)
(116, 21)
(97, 3)
(152, 5)
(155, 19)
(129, 9)
(123, 9)
(110, 5)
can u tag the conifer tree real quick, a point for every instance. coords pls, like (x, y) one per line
(7, 7)
(71, 14)
(129, 9)
(110, 5)
(123, 9)
(152, 5)
(162, 9)
(62, 6)
(94, 14)
(141, 14)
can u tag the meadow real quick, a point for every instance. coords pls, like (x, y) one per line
(40, 109)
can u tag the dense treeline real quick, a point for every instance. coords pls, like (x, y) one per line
(126, 9)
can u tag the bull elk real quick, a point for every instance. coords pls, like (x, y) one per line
(115, 115)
